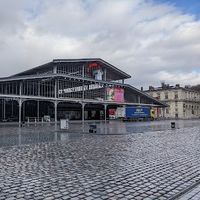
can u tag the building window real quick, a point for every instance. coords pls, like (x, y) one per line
(166, 95)
(158, 96)
(176, 95)
(167, 110)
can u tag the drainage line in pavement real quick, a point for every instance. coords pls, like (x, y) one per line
(176, 196)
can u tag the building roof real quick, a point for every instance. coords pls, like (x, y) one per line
(49, 65)
(158, 89)
(147, 95)
(167, 87)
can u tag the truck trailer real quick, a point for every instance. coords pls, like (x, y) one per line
(135, 112)
(138, 112)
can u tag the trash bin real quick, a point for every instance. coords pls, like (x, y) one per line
(93, 128)
(22, 124)
(173, 125)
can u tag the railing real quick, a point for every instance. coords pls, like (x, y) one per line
(31, 120)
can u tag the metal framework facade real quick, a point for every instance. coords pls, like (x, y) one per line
(84, 81)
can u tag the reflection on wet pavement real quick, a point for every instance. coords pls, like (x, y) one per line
(116, 127)
(31, 134)
(145, 160)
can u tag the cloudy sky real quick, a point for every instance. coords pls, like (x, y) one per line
(152, 40)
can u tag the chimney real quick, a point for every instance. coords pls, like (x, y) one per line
(163, 84)
(141, 88)
(151, 88)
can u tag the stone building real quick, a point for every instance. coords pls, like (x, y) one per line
(184, 102)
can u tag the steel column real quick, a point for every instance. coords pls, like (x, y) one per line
(20, 111)
(139, 99)
(24, 110)
(4, 109)
(12, 113)
(55, 89)
(105, 111)
(105, 74)
(55, 111)
(83, 110)
(38, 110)
(83, 116)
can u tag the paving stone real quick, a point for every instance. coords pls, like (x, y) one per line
(157, 164)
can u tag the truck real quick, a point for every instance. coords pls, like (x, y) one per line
(121, 112)
(138, 112)
(135, 112)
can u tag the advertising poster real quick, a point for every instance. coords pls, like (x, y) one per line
(110, 94)
(112, 113)
(115, 94)
(119, 95)
(95, 70)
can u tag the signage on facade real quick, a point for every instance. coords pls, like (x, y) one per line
(80, 88)
(96, 70)
(98, 74)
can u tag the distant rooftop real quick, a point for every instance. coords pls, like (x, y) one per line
(171, 87)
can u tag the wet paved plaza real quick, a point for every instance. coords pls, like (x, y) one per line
(144, 160)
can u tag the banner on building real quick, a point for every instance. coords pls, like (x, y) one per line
(115, 94)
(80, 88)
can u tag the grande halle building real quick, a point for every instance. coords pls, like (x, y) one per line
(73, 88)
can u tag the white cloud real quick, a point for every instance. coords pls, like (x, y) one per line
(150, 41)
(190, 78)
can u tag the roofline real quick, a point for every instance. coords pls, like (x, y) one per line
(92, 59)
(147, 95)
(32, 69)
(174, 88)
(52, 75)
(76, 60)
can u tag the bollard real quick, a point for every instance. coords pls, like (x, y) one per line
(28, 121)
(35, 121)
(23, 124)
(173, 125)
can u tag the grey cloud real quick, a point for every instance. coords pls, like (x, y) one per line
(11, 16)
(145, 39)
